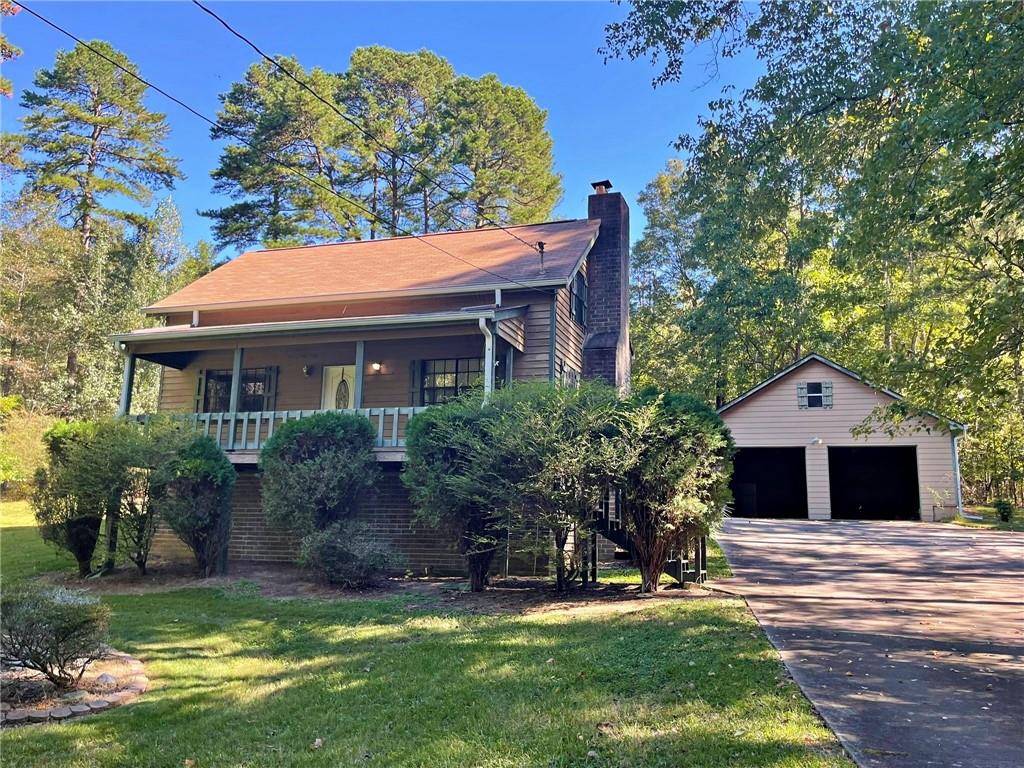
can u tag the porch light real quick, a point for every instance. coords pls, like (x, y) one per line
(816, 441)
(375, 367)
(307, 371)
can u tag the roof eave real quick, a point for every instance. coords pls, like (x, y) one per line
(306, 326)
(157, 309)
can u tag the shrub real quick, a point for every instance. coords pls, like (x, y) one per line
(68, 519)
(192, 492)
(347, 554)
(675, 461)
(315, 470)
(1004, 509)
(459, 480)
(55, 631)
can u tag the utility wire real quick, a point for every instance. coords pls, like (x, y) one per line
(267, 155)
(366, 132)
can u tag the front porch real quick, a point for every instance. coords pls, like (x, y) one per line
(240, 383)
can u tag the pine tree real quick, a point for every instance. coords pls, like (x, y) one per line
(90, 140)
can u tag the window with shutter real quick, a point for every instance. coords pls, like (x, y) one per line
(801, 394)
(814, 394)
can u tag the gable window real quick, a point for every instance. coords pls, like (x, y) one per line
(443, 380)
(578, 299)
(256, 392)
(814, 394)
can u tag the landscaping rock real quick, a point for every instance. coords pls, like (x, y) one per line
(38, 715)
(4, 706)
(106, 680)
(75, 696)
(60, 713)
(16, 716)
(97, 705)
(80, 709)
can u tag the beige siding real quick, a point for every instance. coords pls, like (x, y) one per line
(533, 363)
(568, 338)
(513, 330)
(772, 418)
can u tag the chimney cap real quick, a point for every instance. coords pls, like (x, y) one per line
(601, 186)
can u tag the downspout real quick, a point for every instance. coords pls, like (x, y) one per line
(956, 471)
(488, 358)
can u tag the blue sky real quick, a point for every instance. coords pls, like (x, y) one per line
(606, 119)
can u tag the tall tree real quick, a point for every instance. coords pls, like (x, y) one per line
(91, 143)
(413, 146)
(8, 50)
(861, 198)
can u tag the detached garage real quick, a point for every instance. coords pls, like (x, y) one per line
(797, 456)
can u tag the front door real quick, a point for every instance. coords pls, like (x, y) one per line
(339, 387)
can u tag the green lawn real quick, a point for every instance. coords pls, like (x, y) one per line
(22, 552)
(239, 680)
(992, 520)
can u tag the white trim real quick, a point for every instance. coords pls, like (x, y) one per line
(835, 366)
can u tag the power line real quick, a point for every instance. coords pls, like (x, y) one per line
(267, 155)
(333, 107)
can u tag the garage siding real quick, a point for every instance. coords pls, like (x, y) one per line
(772, 417)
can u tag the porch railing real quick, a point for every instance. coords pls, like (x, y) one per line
(249, 430)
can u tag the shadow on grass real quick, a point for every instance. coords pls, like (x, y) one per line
(241, 681)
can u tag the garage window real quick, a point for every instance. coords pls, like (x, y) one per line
(814, 394)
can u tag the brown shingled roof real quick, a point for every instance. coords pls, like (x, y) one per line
(391, 267)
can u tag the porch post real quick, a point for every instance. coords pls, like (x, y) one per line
(236, 381)
(485, 329)
(357, 395)
(124, 405)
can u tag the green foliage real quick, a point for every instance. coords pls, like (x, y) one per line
(8, 50)
(413, 122)
(675, 462)
(558, 439)
(461, 481)
(1004, 509)
(55, 631)
(192, 493)
(858, 200)
(21, 447)
(345, 553)
(316, 469)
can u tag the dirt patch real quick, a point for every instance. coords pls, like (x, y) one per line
(283, 581)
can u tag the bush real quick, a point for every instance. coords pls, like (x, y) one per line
(461, 480)
(68, 518)
(676, 459)
(192, 492)
(347, 554)
(315, 470)
(1004, 509)
(57, 632)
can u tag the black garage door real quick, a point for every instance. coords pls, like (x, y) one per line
(769, 482)
(873, 483)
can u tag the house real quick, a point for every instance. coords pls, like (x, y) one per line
(797, 455)
(387, 328)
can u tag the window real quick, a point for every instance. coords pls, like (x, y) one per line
(578, 299)
(814, 394)
(256, 393)
(444, 379)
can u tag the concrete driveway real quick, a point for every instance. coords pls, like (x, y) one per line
(907, 637)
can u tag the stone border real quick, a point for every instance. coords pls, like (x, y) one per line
(126, 693)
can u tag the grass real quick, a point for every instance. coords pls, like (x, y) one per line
(241, 680)
(992, 521)
(22, 552)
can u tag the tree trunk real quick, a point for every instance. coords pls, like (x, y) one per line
(561, 537)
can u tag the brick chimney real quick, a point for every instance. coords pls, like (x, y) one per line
(606, 351)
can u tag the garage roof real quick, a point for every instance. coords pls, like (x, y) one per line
(814, 356)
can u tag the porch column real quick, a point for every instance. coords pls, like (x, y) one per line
(485, 329)
(124, 405)
(236, 381)
(357, 394)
